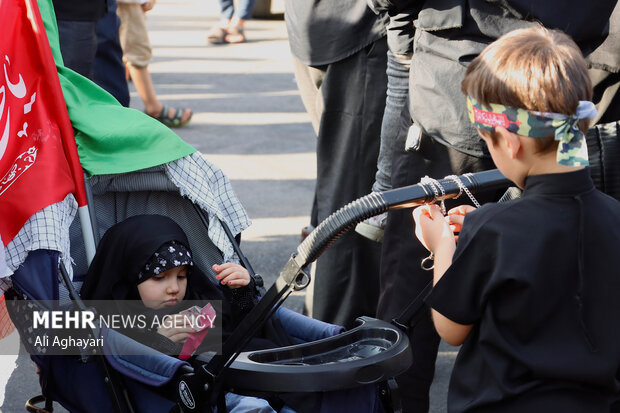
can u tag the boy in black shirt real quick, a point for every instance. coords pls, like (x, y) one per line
(532, 290)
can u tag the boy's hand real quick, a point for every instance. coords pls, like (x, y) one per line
(431, 227)
(232, 275)
(456, 216)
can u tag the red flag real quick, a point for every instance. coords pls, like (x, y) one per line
(39, 164)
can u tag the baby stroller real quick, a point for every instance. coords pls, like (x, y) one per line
(367, 354)
(370, 353)
(47, 252)
(149, 191)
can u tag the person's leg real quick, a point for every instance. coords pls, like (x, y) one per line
(309, 80)
(236, 28)
(236, 403)
(141, 78)
(402, 278)
(143, 83)
(109, 70)
(391, 128)
(396, 100)
(217, 34)
(78, 45)
(353, 94)
(137, 55)
(245, 9)
(346, 160)
(227, 10)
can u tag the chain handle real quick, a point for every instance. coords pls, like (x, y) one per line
(427, 263)
(463, 188)
(436, 187)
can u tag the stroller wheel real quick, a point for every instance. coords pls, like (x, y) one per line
(31, 404)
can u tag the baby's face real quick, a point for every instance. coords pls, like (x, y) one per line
(165, 289)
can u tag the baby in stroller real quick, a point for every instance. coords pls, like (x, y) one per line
(148, 258)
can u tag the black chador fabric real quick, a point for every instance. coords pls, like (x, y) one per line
(538, 279)
(340, 57)
(125, 249)
(352, 95)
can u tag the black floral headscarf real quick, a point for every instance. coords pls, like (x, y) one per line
(170, 255)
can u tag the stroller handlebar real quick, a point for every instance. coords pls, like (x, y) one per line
(293, 275)
(376, 203)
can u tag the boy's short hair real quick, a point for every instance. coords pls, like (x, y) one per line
(535, 69)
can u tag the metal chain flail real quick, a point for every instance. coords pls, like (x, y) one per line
(436, 187)
(427, 263)
(463, 188)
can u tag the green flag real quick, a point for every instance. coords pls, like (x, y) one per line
(110, 138)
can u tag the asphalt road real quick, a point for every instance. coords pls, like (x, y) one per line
(248, 120)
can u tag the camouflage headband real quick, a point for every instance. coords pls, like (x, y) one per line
(572, 150)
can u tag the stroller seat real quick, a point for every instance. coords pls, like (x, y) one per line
(209, 213)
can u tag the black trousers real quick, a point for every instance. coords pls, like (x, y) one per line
(109, 69)
(345, 100)
(402, 278)
(78, 45)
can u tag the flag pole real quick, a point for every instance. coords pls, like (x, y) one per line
(88, 223)
(87, 232)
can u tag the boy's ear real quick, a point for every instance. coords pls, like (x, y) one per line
(510, 140)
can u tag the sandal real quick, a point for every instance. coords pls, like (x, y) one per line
(174, 121)
(235, 35)
(217, 35)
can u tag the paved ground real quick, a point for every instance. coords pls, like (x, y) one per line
(250, 121)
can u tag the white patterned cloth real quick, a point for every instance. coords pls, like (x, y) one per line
(197, 179)
(207, 186)
(5, 284)
(46, 229)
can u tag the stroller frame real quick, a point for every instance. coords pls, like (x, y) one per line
(294, 275)
(203, 384)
